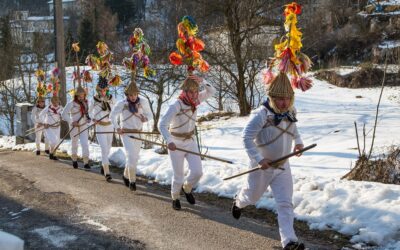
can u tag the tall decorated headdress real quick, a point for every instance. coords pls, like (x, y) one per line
(288, 59)
(188, 51)
(139, 59)
(103, 64)
(54, 85)
(77, 75)
(41, 90)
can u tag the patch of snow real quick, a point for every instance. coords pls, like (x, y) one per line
(10, 242)
(99, 226)
(389, 44)
(55, 235)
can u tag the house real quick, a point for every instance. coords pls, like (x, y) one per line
(24, 27)
(68, 5)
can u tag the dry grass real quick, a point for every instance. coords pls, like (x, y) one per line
(385, 169)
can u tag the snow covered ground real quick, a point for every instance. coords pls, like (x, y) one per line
(369, 212)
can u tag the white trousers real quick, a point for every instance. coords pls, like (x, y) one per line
(38, 139)
(282, 189)
(53, 136)
(132, 150)
(177, 161)
(105, 142)
(84, 141)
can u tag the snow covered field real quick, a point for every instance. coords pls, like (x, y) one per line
(370, 212)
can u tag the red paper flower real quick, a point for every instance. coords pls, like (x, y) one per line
(175, 58)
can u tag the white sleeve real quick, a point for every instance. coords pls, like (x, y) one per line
(61, 109)
(165, 121)
(65, 113)
(146, 110)
(251, 130)
(91, 110)
(208, 92)
(297, 137)
(33, 115)
(115, 112)
(42, 114)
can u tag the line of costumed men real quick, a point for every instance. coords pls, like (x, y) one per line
(268, 135)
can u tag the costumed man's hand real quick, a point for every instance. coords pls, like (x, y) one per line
(75, 124)
(297, 148)
(120, 131)
(172, 146)
(143, 118)
(198, 79)
(46, 125)
(40, 125)
(264, 163)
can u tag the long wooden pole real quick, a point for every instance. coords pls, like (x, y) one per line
(273, 162)
(91, 125)
(183, 150)
(139, 132)
(65, 136)
(40, 129)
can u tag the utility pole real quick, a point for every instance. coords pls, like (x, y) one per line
(60, 52)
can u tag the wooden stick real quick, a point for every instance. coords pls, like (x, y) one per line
(91, 125)
(273, 162)
(65, 136)
(181, 149)
(28, 130)
(40, 129)
(139, 132)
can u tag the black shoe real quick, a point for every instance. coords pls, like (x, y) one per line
(176, 204)
(47, 151)
(132, 186)
(236, 212)
(126, 181)
(86, 166)
(189, 197)
(102, 170)
(108, 177)
(75, 164)
(294, 246)
(52, 157)
(37, 152)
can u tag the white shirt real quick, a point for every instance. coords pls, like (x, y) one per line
(35, 114)
(255, 133)
(48, 116)
(96, 112)
(128, 120)
(72, 113)
(179, 117)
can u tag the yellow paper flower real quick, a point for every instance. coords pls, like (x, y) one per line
(102, 47)
(75, 47)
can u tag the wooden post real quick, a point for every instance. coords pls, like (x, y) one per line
(60, 55)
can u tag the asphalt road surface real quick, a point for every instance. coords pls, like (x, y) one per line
(50, 205)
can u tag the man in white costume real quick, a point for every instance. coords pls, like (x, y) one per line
(76, 113)
(132, 113)
(269, 135)
(50, 117)
(101, 106)
(40, 105)
(177, 126)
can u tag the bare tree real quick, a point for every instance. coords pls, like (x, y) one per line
(242, 44)
(160, 89)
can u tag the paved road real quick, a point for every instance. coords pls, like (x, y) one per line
(53, 206)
